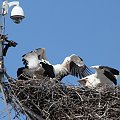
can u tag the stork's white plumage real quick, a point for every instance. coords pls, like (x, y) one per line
(103, 75)
(30, 60)
(72, 65)
(32, 64)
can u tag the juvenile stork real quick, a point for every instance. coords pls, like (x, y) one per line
(103, 75)
(31, 62)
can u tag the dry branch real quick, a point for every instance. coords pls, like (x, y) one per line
(48, 99)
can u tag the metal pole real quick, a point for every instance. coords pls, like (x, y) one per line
(1, 52)
(2, 67)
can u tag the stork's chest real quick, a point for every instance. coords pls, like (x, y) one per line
(59, 69)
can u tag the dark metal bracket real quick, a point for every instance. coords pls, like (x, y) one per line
(8, 44)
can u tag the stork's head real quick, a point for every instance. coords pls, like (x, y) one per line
(98, 69)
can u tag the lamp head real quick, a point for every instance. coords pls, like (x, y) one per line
(17, 14)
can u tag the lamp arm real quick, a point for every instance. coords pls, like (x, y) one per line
(6, 5)
(14, 3)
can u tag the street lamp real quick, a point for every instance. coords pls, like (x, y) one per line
(17, 14)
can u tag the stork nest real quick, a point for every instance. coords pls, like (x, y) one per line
(48, 99)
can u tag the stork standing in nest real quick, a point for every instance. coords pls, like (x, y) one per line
(36, 63)
(103, 75)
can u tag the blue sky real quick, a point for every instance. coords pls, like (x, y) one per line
(88, 28)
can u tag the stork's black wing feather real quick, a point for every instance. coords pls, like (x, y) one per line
(79, 71)
(49, 70)
(110, 76)
(112, 70)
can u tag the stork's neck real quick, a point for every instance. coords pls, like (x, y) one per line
(98, 73)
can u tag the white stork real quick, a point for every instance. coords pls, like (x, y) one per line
(31, 61)
(103, 75)
(35, 61)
